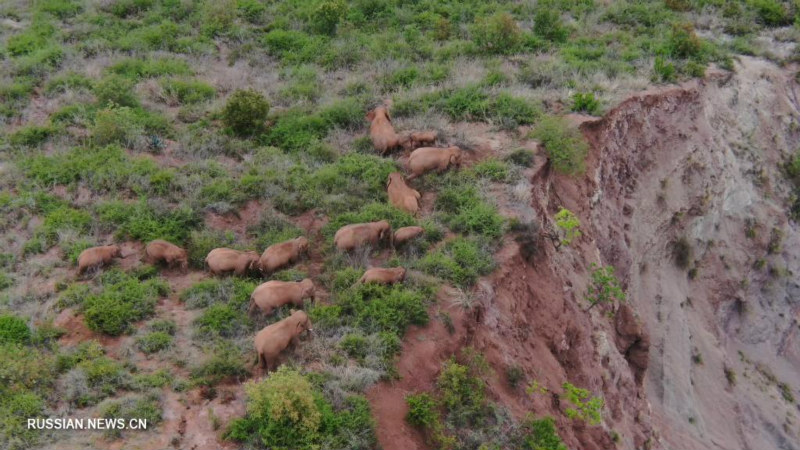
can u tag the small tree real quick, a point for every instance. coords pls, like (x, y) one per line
(327, 15)
(585, 406)
(246, 112)
(605, 287)
(568, 224)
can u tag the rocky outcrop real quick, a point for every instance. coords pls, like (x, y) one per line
(632, 341)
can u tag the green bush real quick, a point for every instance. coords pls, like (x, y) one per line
(14, 330)
(226, 361)
(462, 393)
(771, 12)
(497, 34)
(547, 24)
(223, 320)
(286, 411)
(460, 261)
(31, 135)
(164, 326)
(521, 157)
(146, 221)
(492, 169)
(347, 113)
(683, 41)
(326, 16)
(115, 90)
(233, 291)
(585, 102)
(70, 80)
(154, 342)
(421, 410)
(355, 345)
(121, 301)
(540, 434)
(665, 70)
(245, 112)
(563, 143)
(134, 68)
(464, 209)
(188, 91)
(117, 125)
(147, 407)
(605, 287)
(510, 112)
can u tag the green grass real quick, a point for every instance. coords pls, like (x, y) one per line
(563, 143)
(460, 261)
(120, 300)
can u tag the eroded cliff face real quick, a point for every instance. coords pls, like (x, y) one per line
(703, 163)
(700, 356)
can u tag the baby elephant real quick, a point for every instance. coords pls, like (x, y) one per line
(97, 256)
(282, 254)
(172, 255)
(405, 234)
(381, 130)
(400, 195)
(383, 276)
(426, 159)
(274, 294)
(419, 139)
(226, 260)
(356, 235)
(274, 339)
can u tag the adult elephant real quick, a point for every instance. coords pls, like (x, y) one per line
(275, 293)
(275, 338)
(402, 196)
(225, 260)
(282, 254)
(356, 235)
(426, 159)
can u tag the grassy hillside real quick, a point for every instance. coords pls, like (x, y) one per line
(132, 120)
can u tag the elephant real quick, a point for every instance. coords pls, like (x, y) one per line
(382, 132)
(281, 254)
(274, 294)
(275, 338)
(172, 255)
(419, 139)
(405, 234)
(97, 256)
(383, 276)
(355, 235)
(224, 260)
(400, 195)
(425, 159)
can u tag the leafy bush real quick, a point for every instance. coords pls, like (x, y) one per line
(547, 24)
(115, 90)
(771, 12)
(421, 410)
(145, 221)
(564, 144)
(245, 112)
(493, 169)
(568, 225)
(664, 69)
(465, 210)
(13, 330)
(121, 301)
(584, 406)
(154, 342)
(222, 320)
(460, 261)
(355, 345)
(233, 291)
(540, 434)
(510, 112)
(682, 252)
(462, 393)
(326, 16)
(134, 68)
(498, 34)
(188, 91)
(31, 135)
(201, 242)
(585, 102)
(117, 125)
(521, 157)
(286, 411)
(683, 41)
(146, 408)
(226, 361)
(604, 287)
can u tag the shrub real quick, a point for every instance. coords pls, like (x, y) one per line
(664, 69)
(164, 326)
(347, 113)
(460, 261)
(188, 91)
(134, 68)
(145, 221)
(462, 393)
(117, 125)
(564, 144)
(682, 253)
(492, 169)
(521, 157)
(225, 362)
(514, 375)
(498, 34)
(604, 287)
(121, 301)
(222, 320)
(771, 12)
(584, 406)
(285, 411)
(464, 209)
(421, 410)
(154, 342)
(14, 330)
(147, 408)
(540, 434)
(510, 112)
(683, 41)
(326, 16)
(568, 225)
(233, 291)
(355, 345)
(31, 135)
(115, 90)
(585, 102)
(245, 112)
(547, 24)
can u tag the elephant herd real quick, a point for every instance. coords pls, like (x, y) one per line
(271, 341)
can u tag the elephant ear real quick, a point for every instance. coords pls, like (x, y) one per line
(371, 115)
(388, 117)
(389, 181)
